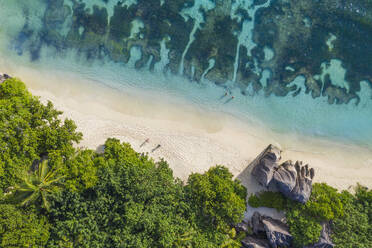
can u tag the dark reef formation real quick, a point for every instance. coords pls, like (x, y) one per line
(212, 40)
(305, 34)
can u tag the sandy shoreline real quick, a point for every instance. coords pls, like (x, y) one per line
(193, 140)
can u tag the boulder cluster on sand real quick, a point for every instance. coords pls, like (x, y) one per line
(271, 233)
(266, 232)
(292, 179)
(4, 77)
(276, 232)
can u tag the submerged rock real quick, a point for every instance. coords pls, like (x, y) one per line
(265, 164)
(252, 242)
(303, 41)
(303, 35)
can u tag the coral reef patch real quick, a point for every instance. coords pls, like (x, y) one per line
(261, 45)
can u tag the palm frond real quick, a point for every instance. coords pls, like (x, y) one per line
(29, 199)
(37, 186)
(46, 204)
(25, 186)
(43, 170)
(51, 174)
(54, 180)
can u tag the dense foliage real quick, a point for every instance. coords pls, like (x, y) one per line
(268, 199)
(350, 214)
(36, 187)
(56, 195)
(354, 228)
(22, 227)
(29, 131)
(135, 203)
(218, 201)
(304, 219)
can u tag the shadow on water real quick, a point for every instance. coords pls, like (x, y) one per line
(229, 100)
(222, 97)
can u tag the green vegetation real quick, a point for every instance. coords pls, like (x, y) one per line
(350, 214)
(218, 200)
(268, 199)
(36, 187)
(22, 227)
(29, 132)
(304, 219)
(354, 228)
(56, 195)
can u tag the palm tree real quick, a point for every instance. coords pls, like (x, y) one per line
(38, 185)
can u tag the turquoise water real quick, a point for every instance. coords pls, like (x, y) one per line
(175, 60)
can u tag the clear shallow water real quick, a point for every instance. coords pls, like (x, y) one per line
(23, 23)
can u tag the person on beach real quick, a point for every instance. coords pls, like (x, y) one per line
(145, 142)
(157, 147)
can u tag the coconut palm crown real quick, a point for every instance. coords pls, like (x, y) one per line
(37, 186)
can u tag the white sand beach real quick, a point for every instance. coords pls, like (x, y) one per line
(191, 140)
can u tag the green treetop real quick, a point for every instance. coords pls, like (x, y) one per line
(29, 131)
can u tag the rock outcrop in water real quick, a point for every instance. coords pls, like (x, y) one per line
(293, 180)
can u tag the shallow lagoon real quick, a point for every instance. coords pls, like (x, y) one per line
(25, 40)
